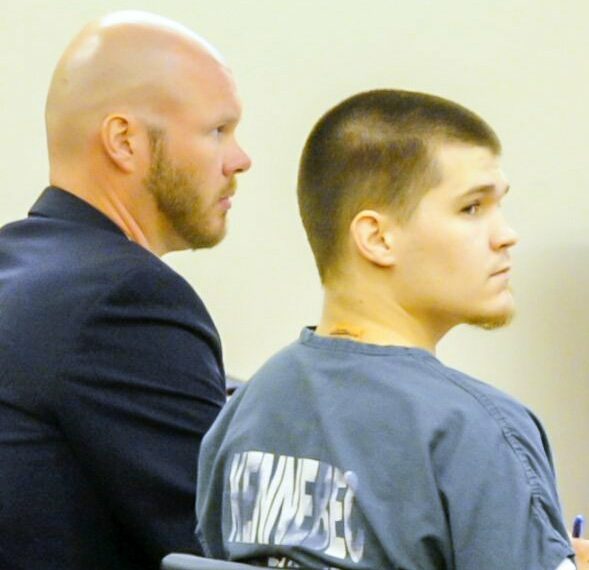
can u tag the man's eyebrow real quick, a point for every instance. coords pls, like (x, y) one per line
(232, 114)
(486, 189)
(231, 119)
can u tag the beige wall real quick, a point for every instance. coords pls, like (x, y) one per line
(522, 64)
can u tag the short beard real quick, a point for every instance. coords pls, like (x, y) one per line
(491, 322)
(177, 195)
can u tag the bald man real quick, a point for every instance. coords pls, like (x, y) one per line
(110, 365)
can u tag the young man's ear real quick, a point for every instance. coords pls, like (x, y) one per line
(373, 234)
(119, 139)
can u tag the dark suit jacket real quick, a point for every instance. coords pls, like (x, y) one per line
(110, 374)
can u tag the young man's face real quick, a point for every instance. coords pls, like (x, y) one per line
(453, 259)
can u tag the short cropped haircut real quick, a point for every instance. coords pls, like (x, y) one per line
(376, 150)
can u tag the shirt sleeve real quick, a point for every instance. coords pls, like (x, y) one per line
(212, 490)
(141, 386)
(498, 489)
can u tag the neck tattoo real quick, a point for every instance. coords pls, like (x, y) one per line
(342, 331)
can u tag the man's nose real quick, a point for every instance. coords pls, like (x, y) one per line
(505, 236)
(238, 162)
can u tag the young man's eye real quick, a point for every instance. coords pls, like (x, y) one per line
(472, 209)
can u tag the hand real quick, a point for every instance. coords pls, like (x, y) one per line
(581, 548)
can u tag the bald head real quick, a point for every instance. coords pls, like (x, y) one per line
(141, 120)
(126, 62)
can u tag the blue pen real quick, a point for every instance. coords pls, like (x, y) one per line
(578, 525)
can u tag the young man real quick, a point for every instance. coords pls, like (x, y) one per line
(110, 364)
(355, 447)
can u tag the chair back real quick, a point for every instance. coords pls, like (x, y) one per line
(176, 561)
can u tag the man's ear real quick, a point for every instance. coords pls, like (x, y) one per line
(372, 233)
(118, 135)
